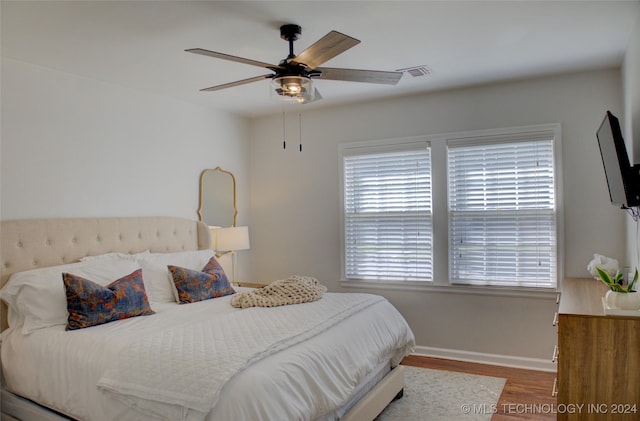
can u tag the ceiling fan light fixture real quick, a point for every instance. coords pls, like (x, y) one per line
(293, 88)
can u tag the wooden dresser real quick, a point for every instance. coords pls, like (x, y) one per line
(598, 357)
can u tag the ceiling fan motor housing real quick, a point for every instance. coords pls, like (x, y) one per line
(290, 32)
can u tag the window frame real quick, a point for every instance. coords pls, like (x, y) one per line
(487, 202)
(373, 147)
(440, 212)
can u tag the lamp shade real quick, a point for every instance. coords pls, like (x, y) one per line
(293, 88)
(230, 238)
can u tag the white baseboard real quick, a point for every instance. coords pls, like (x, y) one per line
(493, 359)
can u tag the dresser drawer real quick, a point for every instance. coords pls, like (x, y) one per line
(597, 356)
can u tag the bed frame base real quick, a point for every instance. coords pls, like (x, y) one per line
(390, 388)
(17, 408)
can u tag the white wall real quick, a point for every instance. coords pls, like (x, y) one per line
(631, 93)
(77, 147)
(296, 214)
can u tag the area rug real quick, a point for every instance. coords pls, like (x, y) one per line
(435, 395)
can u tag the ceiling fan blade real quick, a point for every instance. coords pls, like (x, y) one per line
(354, 75)
(325, 49)
(224, 56)
(237, 83)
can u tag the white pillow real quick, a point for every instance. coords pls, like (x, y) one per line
(115, 256)
(38, 296)
(157, 279)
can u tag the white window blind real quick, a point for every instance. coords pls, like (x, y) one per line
(387, 215)
(502, 213)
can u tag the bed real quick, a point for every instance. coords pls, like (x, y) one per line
(205, 360)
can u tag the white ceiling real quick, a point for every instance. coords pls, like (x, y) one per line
(141, 44)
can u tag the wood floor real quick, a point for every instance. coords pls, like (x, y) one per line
(526, 394)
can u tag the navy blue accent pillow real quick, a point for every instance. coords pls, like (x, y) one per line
(193, 285)
(90, 304)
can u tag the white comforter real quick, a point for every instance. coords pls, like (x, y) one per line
(306, 381)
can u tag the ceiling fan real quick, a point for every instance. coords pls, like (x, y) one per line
(292, 77)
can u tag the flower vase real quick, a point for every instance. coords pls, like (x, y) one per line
(622, 300)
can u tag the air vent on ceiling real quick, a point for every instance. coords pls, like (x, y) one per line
(416, 71)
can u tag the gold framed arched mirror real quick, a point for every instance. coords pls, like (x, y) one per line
(217, 198)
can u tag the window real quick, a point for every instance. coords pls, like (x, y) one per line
(471, 211)
(502, 213)
(387, 212)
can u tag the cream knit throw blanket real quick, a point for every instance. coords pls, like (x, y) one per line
(293, 290)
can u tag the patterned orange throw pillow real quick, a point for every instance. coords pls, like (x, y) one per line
(90, 304)
(193, 285)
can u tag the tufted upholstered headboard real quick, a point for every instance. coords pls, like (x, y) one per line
(35, 243)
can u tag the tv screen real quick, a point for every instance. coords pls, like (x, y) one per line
(622, 178)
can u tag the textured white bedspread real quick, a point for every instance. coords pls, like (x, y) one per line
(178, 373)
(304, 375)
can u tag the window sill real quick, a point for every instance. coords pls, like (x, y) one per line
(543, 293)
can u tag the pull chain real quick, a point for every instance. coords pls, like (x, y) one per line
(300, 125)
(284, 133)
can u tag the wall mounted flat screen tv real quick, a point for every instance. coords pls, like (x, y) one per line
(623, 179)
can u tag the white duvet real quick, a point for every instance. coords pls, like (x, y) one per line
(305, 374)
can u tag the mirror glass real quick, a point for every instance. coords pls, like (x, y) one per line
(217, 198)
